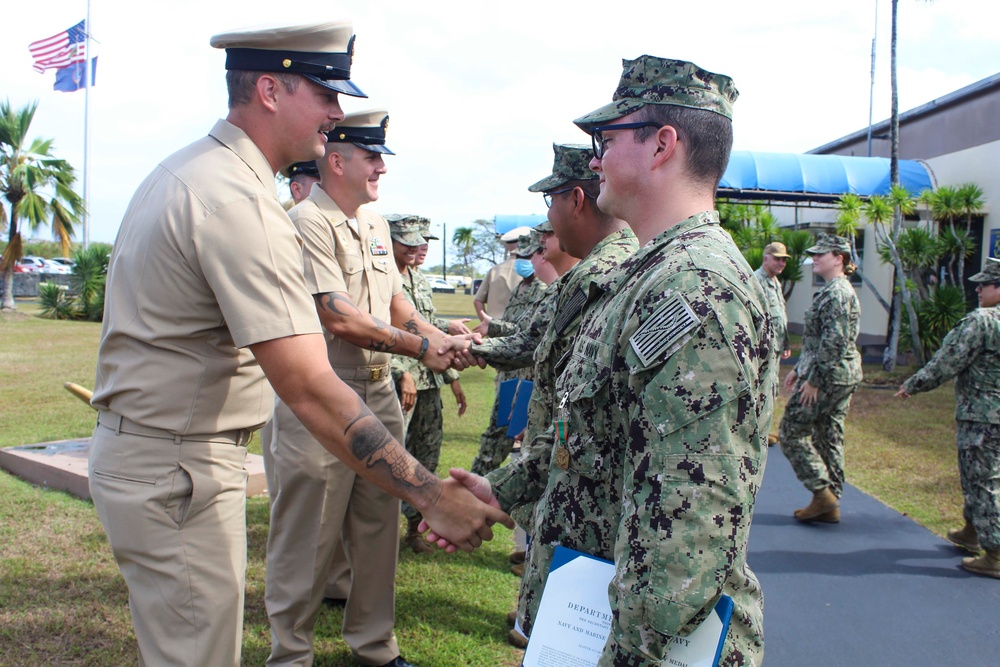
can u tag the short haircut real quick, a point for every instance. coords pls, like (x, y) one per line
(241, 83)
(707, 135)
(592, 188)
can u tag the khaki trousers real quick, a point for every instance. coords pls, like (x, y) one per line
(317, 501)
(176, 521)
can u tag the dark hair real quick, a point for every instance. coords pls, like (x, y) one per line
(592, 188)
(707, 135)
(240, 84)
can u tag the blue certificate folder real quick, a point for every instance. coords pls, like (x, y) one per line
(519, 413)
(505, 400)
(574, 615)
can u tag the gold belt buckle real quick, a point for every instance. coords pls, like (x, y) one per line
(375, 374)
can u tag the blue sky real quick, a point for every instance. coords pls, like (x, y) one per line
(478, 92)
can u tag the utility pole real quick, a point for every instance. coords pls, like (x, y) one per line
(444, 250)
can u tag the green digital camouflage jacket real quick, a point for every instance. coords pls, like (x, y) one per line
(776, 304)
(829, 337)
(971, 354)
(661, 439)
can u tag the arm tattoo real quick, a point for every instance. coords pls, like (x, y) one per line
(341, 305)
(338, 304)
(371, 444)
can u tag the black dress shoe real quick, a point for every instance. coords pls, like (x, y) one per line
(398, 661)
(335, 602)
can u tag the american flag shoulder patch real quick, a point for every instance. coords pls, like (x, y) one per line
(571, 311)
(670, 323)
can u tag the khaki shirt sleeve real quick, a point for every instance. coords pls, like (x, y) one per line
(262, 295)
(324, 261)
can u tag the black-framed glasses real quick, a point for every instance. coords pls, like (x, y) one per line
(600, 143)
(547, 196)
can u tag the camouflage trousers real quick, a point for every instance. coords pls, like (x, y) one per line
(979, 470)
(818, 464)
(424, 424)
(494, 446)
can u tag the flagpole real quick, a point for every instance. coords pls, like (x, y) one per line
(88, 74)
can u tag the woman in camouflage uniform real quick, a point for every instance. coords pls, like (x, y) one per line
(823, 381)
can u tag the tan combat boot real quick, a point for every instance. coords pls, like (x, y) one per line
(965, 537)
(987, 565)
(823, 502)
(414, 539)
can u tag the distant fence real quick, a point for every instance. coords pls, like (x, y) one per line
(26, 284)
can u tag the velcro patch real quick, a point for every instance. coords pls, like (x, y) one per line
(667, 325)
(572, 310)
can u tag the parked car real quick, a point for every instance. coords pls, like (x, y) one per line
(60, 265)
(438, 285)
(32, 264)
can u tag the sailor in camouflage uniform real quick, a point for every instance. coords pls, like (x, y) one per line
(824, 379)
(494, 445)
(773, 263)
(666, 400)
(421, 400)
(971, 354)
(584, 231)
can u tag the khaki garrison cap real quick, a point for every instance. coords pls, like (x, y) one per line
(321, 52)
(990, 272)
(406, 229)
(571, 163)
(652, 80)
(364, 129)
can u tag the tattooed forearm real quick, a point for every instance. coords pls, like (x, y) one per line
(411, 326)
(371, 444)
(339, 304)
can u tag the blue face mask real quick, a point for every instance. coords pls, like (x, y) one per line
(523, 267)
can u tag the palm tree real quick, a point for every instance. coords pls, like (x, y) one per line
(879, 210)
(848, 226)
(464, 239)
(36, 185)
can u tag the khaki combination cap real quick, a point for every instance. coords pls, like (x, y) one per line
(990, 272)
(321, 52)
(364, 129)
(776, 249)
(571, 163)
(652, 80)
(303, 168)
(829, 243)
(406, 228)
(513, 235)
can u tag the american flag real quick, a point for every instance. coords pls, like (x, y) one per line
(62, 50)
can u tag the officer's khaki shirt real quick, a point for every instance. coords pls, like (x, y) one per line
(337, 259)
(498, 286)
(206, 263)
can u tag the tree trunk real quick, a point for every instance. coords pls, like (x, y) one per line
(889, 360)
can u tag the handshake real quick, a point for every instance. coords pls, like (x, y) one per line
(463, 514)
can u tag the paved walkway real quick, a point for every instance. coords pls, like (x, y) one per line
(876, 590)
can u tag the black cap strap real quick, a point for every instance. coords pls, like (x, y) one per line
(320, 65)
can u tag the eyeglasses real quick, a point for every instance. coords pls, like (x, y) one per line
(599, 142)
(547, 196)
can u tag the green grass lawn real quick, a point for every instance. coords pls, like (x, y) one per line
(63, 601)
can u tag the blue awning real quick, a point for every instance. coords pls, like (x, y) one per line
(505, 223)
(793, 177)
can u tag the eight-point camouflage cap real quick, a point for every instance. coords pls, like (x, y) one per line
(990, 272)
(543, 227)
(829, 243)
(527, 245)
(321, 52)
(364, 129)
(652, 80)
(305, 168)
(425, 230)
(406, 228)
(571, 163)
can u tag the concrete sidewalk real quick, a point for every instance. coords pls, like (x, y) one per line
(875, 590)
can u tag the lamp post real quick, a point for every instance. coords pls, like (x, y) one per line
(444, 250)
